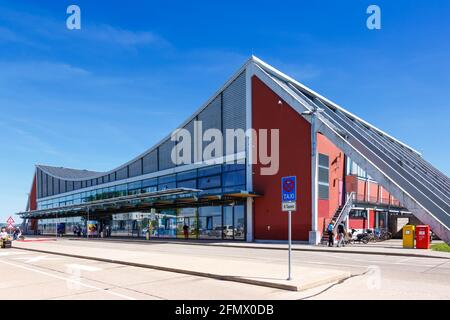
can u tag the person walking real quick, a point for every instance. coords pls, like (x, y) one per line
(330, 233)
(341, 233)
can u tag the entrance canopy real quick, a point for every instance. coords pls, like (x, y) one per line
(162, 199)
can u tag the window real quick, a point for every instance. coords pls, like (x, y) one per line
(209, 182)
(358, 214)
(121, 190)
(323, 176)
(169, 185)
(233, 167)
(149, 183)
(187, 184)
(208, 171)
(166, 179)
(234, 178)
(187, 175)
(134, 187)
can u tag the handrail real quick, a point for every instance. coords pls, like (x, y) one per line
(345, 209)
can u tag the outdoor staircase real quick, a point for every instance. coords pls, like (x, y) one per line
(339, 216)
(325, 236)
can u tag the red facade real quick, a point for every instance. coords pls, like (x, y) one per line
(269, 111)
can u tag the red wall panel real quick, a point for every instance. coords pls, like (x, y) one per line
(295, 159)
(327, 208)
(357, 223)
(33, 203)
(33, 195)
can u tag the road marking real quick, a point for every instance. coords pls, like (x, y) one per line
(83, 267)
(4, 254)
(336, 264)
(68, 280)
(36, 259)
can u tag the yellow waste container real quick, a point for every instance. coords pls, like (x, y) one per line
(408, 236)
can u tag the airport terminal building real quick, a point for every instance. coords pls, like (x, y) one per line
(346, 169)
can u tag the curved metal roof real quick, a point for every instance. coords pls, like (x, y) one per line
(69, 174)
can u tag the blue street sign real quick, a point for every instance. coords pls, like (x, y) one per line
(289, 189)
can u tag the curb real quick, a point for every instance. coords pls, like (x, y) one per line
(261, 283)
(399, 254)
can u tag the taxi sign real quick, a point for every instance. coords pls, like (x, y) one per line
(289, 193)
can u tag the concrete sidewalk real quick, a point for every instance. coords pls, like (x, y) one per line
(386, 248)
(236, 269)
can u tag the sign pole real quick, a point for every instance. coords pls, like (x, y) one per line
(290, 243)
(289, 204)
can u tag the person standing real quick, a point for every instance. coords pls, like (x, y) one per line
(341, 233)
(186, 231)
(330, 233)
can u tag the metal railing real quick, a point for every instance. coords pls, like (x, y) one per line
(362, 198)
(345, 209)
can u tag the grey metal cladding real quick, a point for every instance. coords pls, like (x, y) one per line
(112, 177)
(39, 183)
(50, 186)
(55, 186)
(122, 173)
(234, 113)
(62, 186)
(69, 186)
(211, 116)
(44, 185)
(190, 127)
(150, 162)
(135, 168)
(77, 185)
(165, 158)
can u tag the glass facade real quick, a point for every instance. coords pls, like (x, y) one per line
(207, 222)
(212, 180)
(203, 222)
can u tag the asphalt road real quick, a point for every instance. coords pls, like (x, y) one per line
(31, 275)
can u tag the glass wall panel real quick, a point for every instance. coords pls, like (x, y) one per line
(228, 232)
(187, 175)
(239, 222)
(187, 184)
(210, 182)
(169, 185)
(209, 171)
(167, 224)
(210, 222)
(234, 178)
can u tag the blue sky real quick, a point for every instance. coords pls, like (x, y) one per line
(95, 98)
